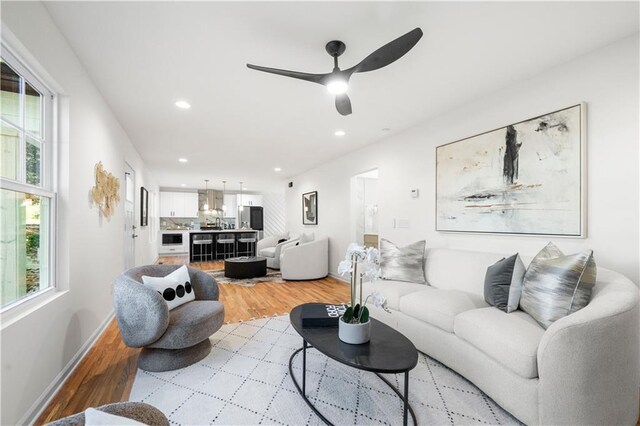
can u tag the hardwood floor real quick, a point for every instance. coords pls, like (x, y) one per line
(106, 373)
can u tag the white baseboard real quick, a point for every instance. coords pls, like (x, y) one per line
(339, 278)
(43, 401)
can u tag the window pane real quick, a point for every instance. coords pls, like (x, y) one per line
(24, 255)
(10, 90)
(9, 152)
(33, 161)
(33, 102)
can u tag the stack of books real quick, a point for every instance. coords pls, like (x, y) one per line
(321, 315)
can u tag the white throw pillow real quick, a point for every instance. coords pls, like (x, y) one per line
(93, 417)
(307, 238)
(175, 288)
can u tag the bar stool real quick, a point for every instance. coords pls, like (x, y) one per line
(204, 245)
(249, 240)
(227, 241)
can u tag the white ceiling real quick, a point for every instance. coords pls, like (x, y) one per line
(143, 56)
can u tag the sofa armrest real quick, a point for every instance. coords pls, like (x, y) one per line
(204, 285)
(141, 312)
(588, 362)
(280, 248)
(271, 241)
(308, 261)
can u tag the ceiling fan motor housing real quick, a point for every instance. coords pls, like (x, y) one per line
(335, 48)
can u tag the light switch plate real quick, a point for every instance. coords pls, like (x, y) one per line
(415, 193)
(402, 223)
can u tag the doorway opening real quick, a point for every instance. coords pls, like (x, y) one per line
(129, 217)
(364, 208)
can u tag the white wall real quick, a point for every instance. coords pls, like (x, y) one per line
(606, 79)
(39, 344)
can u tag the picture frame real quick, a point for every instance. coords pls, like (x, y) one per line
(310, 208)
(526, 178)
(144, 206)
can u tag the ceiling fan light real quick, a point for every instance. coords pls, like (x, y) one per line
(337, 86)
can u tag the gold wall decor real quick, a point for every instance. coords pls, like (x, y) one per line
(106, 193)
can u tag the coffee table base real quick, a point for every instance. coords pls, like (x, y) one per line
(302, 390)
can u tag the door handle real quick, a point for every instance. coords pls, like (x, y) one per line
(134, 236)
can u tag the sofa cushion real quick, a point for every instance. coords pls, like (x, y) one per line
(443, 269)
(503, 283)
(556, 285)
(392, 290)
(511, 339)
(402, 263)
(267, 252)
(190, 324)
(440, 307)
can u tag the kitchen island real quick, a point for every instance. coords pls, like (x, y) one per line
(206, 247)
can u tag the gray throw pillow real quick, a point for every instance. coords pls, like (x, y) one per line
(503, 283)
(402, 263)
(556, 285)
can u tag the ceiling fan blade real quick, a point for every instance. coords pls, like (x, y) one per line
(314, 78)
(343, 104)
(390, 52)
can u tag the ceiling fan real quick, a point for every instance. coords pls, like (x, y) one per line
(337, 81)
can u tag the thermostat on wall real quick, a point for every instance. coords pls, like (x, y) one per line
(415, 193)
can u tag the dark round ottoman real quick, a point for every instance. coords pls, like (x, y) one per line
(245, 267)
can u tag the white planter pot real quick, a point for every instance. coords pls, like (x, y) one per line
(354, 334)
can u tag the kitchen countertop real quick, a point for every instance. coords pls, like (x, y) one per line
(219, 231)
(208, 231)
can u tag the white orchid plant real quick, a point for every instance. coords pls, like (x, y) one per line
(361, 263)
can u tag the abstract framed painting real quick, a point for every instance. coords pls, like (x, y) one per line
(144, 206)
(525, 178)
(310, 208)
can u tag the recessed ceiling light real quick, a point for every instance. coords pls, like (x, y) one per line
(277, 169)
(183, 160)
(183, 184)
(183, 104)
(385, 129)
(339, 133)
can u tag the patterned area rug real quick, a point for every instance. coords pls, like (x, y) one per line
(245, 380)
(273, 276)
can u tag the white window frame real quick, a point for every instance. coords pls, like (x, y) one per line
(48, 167)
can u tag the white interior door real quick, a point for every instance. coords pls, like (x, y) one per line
(129, 217)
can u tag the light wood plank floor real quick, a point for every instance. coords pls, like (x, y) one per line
(106, 373)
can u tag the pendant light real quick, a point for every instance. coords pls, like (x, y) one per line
(206, 194)
(240, 207)
(224, 189)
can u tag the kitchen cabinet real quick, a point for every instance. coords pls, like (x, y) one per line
(251, 200)
(178, 204)
(231, 204)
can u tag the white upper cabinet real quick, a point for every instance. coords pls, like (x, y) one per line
(178, 204)
(231, 204)
(190, 204)
(251, 200)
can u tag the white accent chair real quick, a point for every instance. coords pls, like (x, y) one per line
(308, 260)
(270, 248)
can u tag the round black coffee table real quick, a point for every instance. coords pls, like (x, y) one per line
(388, 351)
(245, 267)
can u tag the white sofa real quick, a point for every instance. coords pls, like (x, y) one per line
(270, 248)
(584, 369)
(305, 261)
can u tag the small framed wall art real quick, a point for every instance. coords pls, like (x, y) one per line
(524, 178)
(144, 206)
(310, 208)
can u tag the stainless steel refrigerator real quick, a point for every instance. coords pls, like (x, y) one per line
(253, 218)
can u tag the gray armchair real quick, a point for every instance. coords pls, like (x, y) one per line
(138, 411)
(169, 339)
